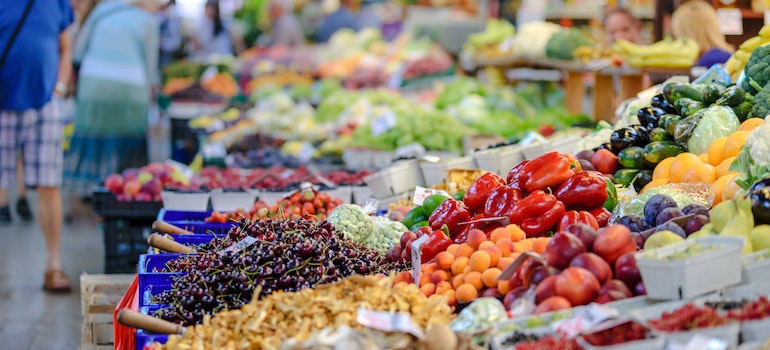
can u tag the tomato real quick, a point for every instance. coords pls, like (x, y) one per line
(605, 161)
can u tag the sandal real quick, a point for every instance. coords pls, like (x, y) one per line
(56, 281)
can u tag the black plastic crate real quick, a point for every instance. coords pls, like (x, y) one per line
(184, 141)
(106, 205)
(124, 242)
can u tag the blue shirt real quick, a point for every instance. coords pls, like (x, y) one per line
(28, 76)
(712, 57)
(341, 18)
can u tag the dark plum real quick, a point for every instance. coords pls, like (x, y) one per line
(695, 223)
(673, 228)
(586, 165)
(695, 209)
(667, 214)
(634, 222)
(655, 205)
(585, 154)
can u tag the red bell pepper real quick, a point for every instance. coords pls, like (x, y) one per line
(516, 177)
(537, 214)
(484, 225)
(574, 217)
(602, 216)
(437, 242)
(501, 201)
(583, 191)
(549, 171)
(477, 194)
(450, 213)
(422, 231)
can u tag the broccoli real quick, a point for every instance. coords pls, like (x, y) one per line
(757, 70)
(562, 44)
(761, 106)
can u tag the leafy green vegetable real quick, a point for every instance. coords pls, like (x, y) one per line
(757, 70)
(717, 121)
(761, 106)
(562, 44)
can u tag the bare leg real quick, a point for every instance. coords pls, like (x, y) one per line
(20, 179)
(50, 219)
(3, 197)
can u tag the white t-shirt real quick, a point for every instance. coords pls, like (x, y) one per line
(220, 44)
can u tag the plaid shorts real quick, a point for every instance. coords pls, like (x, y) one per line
(37, 134)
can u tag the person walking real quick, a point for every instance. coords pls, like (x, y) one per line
(35, 65)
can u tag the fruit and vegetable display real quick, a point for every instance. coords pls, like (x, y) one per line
(623, 333)
(668, 53)
(309, 204)
(145, 183)
(737, 62)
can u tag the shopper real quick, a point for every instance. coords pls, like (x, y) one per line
(22, 205)
(35, 63)
(285, 29)
(339, 19)
(367, 16)
(214, 36)
(621, 24)
(118, 55)
(698, 21)
(170, 34)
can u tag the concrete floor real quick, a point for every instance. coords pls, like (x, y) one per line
(29, 317)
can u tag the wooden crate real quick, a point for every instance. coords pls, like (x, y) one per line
(100, 294)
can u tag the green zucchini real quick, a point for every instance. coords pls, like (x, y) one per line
(657, 151)
(631, 157)
(623, 177)
(660, 134)
(676, 90)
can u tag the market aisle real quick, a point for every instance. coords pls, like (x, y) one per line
(30, 318)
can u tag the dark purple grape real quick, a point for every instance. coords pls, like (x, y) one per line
(667, 214)
(655, 205)
(673, 228)
(695, 223)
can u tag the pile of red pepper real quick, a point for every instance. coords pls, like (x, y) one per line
(541, 195)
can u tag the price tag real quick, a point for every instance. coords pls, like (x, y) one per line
(701, 342)
(209, 73)
(383, 122)
(239, 246)
(214, 150)
(588, 317)
(417, 258)
(306, 153)
(388, 322)
(420, 193)
(767, 17)
(730, 21)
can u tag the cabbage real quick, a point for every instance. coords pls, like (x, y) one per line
(716, 122)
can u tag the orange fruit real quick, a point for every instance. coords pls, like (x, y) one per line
(731, 188)
(494, 255)
(451, 299)
(519, 247)
(716, 149)
(429, 267)
(750, 124)
(704, 157)
(505, 245)
(444, 260)
(504, 262)
(503, 287)
(661, 170)
(681, 164)
(459, 265)
(443, 286)
(486, 244)
(527, 243)
(428, 289)
(653, 184)
(539, 244)
(466, 293)
(724, 167)
(424, 279)
(467, 270)
(452, 248)
(718, 187)
(458, 280)
(499, 233)
(517, 233)
(480, 261)
(474, 278)
(475, 238)
(489, 277)
(464, 250)
(702, 172)
(734, 143)
(438, 276)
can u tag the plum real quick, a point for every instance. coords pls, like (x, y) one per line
(586, 165)
(673, 228)
(655, 205)
(667, 214)
(695, 223)
(695, 209)
(585, 154)
(634, 222)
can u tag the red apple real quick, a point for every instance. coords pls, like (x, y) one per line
(594, 263)
(609, 296)
(562, 248)
(114, 183)
(527, 270)
(131, 188)
(640, 289)
(545, 289)
(541, 273)
(584, 233)
(164, 176)
(512, 295)
(617, 286)
(130, 173)
(407, 237)
(627, 271)
(122, 197)
(142, 197)
(492, 293)
(154, 167)
(614, 241)
(554, 303)
(152, 188)
(578, 285)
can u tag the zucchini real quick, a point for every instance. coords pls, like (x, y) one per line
(687, 106)
(642, 179)
(675, 91)
(660, 134)
(631, 157)
(711, 93)
(657, 151)
(732, 96)
(624, 177)
(743, 110)
(668, 122)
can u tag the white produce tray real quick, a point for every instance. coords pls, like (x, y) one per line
(185, 201)
(696, 275)
(655, 343)
(230, 201)
(499, 160)
(755, 270)
(728, 332)
(755, 330)
(385, 202)
(343, 192)
(401, 177)
(435, 172)
(361, 194)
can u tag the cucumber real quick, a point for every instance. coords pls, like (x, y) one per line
(732, 96)
(623, 177)
(644, 177)
(711, 93)
(668, 122)
(687, 106)
(413, 216)
(657, 151)
(675, 91)
(660, 134)
(631, 157)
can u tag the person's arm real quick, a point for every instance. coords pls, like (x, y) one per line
(151, 43)
(65, 63)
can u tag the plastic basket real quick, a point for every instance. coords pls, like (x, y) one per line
(188, 240)
(357, 159)
(499, 160)
(401, 177)
(567, 144)
(696, 275)
(106, 205)
(124, 242)
(361, 194)
(271, 197)
(185, 201)
(152, 282)
(385, 202)
(231, 201)
(654, 343)
(193, 221)
(535, 150)
(436, 172)
(728, 332)
(755, 330)
(755, 269)
(343, 192)
(182, 216)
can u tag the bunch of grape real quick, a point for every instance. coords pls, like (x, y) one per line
(688, 317)
(287, 255)
(754, 310)
(623, 333)
(550, 342)
(518, 337)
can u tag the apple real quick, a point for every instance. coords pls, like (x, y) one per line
(578, 285)
(609, 296)
(130, 173)
(154, 168)
(122, 197)
(584, 233)
(512, 295)
(614, 241)
(152, 188)
(627, 271)
(492, 293)
(114, 183)
(554, 303)
(527, 270)
(407, 237)
(545, 289)
(616, 286)
(142, 197)
(640, 289)
(541, 273)
(131, 188)
(394, 253)
(164, 176)
(594, 263)
(562, 248)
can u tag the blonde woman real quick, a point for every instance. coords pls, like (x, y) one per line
(697, 20)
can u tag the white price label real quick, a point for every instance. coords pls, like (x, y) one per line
(209, 73)
(388, 322)
(306, 152)
(591, 315)
(416, 246)
(420, 193)
(730, 21)
(767, 17)
(383, 122)
(239, 246)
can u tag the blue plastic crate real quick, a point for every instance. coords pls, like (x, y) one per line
(145, 298)
(194, 221)
(151, 281)
(182, 216)
(188, 240)
(143, 338)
